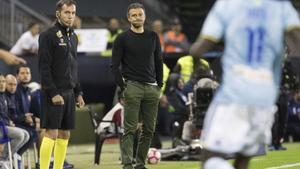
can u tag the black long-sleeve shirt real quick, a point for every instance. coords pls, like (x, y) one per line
(139, 55)
(58, 60)
(22, 96)
(15, 114)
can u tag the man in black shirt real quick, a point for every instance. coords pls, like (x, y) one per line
(60, 85)
(138, 51)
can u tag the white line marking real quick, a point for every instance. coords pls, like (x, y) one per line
(285, 166)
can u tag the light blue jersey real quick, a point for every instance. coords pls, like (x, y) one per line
(254, 32)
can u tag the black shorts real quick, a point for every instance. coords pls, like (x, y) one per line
(58, 116)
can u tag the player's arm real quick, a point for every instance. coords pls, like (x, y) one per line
(201, 46)
(292, 38)
(292, 34)
(10, 58)
(212, 31)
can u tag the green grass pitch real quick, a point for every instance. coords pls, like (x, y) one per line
(82, 157)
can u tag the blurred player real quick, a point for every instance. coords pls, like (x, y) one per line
(241, 114)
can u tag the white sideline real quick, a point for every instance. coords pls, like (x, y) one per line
(278, 167)
(285, 166)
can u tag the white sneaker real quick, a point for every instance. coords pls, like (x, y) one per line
(17, 156)
(17, 161)
(5, 165)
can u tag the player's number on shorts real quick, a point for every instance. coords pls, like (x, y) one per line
(255, 44)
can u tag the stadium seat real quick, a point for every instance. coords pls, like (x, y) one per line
(110, 126)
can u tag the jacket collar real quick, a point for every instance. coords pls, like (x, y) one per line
(64, 28)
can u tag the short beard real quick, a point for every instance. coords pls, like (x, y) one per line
(63, 24)
(137, 26)
(24, 83)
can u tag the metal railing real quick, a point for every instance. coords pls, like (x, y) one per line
(14, 19)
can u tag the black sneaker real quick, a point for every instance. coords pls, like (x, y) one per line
(280, 148)
(140, 167)
(37, 165)
(66, 165)
(271, 148)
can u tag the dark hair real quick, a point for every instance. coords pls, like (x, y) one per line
(31, 24)
(135, 6)
(61, 3)
(21, 66)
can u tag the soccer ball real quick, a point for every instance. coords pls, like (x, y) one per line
(153, 156)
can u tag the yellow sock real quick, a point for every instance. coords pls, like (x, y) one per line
(45, 152)
(60, 151)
